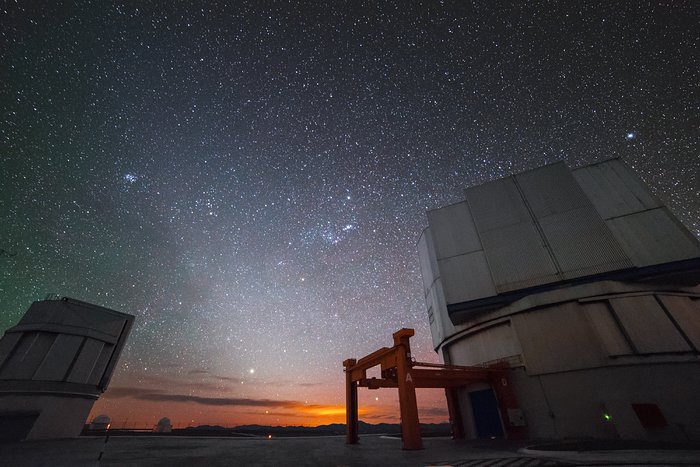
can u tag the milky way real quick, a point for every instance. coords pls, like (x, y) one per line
(250, 179)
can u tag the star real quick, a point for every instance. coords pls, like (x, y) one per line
(250, 203)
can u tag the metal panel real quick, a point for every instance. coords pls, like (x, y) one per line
(39, 312)
(551, 189)
(490, 344)
(428, 262)
(441, 324)
(7, 345)
(28, 355)
(647, 325)
(59, 358)
(98, 371)
(516, 253)
(496, 204)
(518, 258)
(577, 237)
(453, 230)
(607, 329)
(653, 237)
(85, 363)
(582, 243)
(614, 189)
(686, 312)
(89, 317)
(466, 277)
(557, 339)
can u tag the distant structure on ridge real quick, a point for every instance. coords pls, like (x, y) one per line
(583, 283)
(54, 364)
(163, 426)
(101, 422)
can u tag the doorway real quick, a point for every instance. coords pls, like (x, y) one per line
(487, 419)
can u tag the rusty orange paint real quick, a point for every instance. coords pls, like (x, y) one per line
(398, 370)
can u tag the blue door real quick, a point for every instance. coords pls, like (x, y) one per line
(486, 417)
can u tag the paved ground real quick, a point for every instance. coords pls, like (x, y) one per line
(317, 451)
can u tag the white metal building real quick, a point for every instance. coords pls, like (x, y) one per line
(54, 364)
(587, 285)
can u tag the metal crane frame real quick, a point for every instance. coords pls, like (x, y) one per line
(398, 370)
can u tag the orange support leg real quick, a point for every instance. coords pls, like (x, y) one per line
(351, 407)
(410, 425)
(455, 413)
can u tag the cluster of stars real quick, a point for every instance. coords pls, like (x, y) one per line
(251, 181)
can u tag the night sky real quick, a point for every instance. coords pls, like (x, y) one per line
(250, 179)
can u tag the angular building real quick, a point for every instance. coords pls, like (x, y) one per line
(54, 364)
(584, 284)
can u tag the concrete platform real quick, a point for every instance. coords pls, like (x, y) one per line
(316, 451)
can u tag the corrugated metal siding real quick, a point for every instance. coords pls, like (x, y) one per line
(653, 237)
(516, 254)
(614, 189)
(518, 258)
(496, 204)
(582, 243)
(578, 238)
(541, 227)
(551, 190)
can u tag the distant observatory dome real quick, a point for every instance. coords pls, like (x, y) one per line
(101, 422)
(163, 426)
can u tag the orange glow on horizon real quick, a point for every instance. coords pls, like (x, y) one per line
(135, 413)
(140, 404)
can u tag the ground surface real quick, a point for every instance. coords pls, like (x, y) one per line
(316, 451)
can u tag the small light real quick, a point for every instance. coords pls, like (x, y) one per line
(607, 417)
(269, 436)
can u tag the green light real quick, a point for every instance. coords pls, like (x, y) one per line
(607, 417)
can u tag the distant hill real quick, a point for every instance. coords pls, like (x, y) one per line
(391, 429)
(427, 429)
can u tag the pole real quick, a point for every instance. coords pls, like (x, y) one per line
(410, 425)
(351, 406)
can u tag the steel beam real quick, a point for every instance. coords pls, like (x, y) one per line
(398, 370)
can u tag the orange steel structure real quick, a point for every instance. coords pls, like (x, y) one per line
(398, 370)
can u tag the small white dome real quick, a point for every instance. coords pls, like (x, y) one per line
(101, 419)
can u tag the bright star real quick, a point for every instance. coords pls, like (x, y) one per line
(631, 135)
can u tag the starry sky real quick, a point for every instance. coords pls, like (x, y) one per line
(250, 178)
